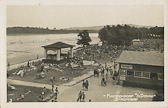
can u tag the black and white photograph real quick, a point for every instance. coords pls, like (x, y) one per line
(85, 53)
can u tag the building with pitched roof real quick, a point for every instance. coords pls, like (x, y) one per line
(137, 42)
(56, 47)
(145, 69)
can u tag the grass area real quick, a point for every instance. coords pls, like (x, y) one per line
(33, 96)
(67, 73)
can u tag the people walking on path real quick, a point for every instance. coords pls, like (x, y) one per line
(52, 87)
(86, 84)
(83, 84)
(79, 96)
(102, 72)
(111, 73)
(56, 92)
(96, 72)
(83, 97)
(106, 76)
(103, 82)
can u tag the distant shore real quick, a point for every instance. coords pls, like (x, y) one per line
(13, 31)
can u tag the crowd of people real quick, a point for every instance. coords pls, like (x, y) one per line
(94, 52)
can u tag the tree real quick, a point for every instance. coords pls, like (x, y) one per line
(123, 35)
(84, 38)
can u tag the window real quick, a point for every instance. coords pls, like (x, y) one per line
(154, 76)
(138, 74)
(123, 72)
(146, 75)
(130, 72)
(160, 76)
(142, 74)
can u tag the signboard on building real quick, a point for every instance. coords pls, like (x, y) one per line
(123, 66)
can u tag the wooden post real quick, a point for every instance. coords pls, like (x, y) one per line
(58, 54)
(45, 53)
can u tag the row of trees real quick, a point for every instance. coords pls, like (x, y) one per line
(123, 35)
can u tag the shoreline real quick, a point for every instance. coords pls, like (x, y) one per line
(16, 65)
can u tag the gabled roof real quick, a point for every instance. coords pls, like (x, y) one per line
(144, 58)
(58, 45)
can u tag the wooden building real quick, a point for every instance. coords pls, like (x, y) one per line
(56, 47)
(143, 69)
(137, 42)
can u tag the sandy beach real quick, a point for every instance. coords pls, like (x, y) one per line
(28, 47)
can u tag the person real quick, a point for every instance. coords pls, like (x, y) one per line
(111, 73)
(40, 99)
(8, 65)
(83, 96)
(103, 82)
(96, 72)
(37, 56)
(102, 72)
(86, 84)
(79, 96)
(106, 76)
(28, 64)
(44, 89)
(21, 97)
(52, 87)
(105, 65)
(52, 79)
(56, 92)
(83, 84)
(42, 94)
(10, 100)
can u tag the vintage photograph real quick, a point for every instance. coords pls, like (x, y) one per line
(85, 53)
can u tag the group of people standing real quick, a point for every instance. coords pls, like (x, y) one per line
(81, 95)
(105, 71)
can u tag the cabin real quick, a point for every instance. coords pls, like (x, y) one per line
(137, 42)
(141, 69)
(56, 54)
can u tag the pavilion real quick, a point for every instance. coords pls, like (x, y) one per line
(56, 47)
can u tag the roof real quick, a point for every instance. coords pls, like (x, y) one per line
(144, 58)
(137, 40)
(58, 45)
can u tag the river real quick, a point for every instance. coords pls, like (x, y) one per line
(22, 48)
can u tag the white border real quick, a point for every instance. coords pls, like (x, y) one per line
(69, 104)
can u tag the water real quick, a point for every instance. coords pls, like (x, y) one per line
(22, 48)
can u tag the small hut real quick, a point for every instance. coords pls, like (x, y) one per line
(137, 42)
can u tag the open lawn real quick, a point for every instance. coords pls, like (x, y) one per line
(31, 94)
(67, 74)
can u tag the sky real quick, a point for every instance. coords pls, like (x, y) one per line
(60, 16)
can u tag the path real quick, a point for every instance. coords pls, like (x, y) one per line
(98, 93)
(22, 64)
